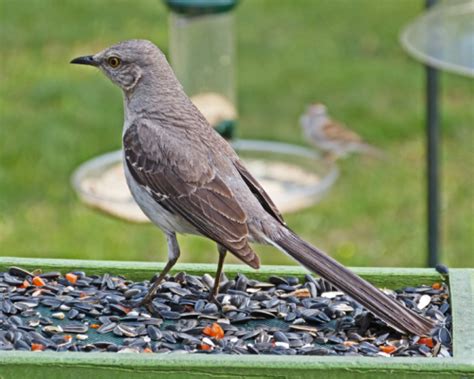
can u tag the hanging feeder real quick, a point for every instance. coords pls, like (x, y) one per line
(202, 53)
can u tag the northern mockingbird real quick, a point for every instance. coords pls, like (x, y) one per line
(188, 179)
(332, 137)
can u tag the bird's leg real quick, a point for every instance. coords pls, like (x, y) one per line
(173, 255)
(220, 265)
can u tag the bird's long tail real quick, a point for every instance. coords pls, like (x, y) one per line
(389, 310)
(372, 151)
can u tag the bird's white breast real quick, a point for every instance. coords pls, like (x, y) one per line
(165, 220)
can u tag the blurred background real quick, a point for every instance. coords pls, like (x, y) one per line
(54, 116)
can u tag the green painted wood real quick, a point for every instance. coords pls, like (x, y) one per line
(382, 277)
(112, 365)
(461, 284)
(50, 365)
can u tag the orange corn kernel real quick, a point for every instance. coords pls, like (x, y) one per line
(204, 346)
(428, 341)
(207, 331)
(37, 347)
(214, 330)
(71, 278)
(25, 284)
(147, 350)
(68, 337)
(388, 349)
(95, 326)
(38, 282)
(436, 286)
(217, 331)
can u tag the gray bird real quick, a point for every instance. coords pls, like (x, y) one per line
(187, 179)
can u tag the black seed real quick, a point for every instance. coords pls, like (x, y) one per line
(280, 337)
(292, 280)
(50, 275)
(17, 271)
(380, 340)
(210, 308)
(13, 280)
(154, 333)
(170, 315)
(442, 269)
(131, 293)
(276, 280)
(72, 314)
(106, 328)
(199, 306)
(21, 345)
(443, 336)
(169, 337)
(241, 282)
(75, 328)
(252, 349)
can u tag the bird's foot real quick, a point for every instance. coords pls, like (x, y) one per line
(147, 303)
(212, 298)
(147, 300)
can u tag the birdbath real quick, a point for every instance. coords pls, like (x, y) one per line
(202, 53)
(441, 38)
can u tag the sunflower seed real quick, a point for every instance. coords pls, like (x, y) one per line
(423, 302)
(106, 328)
(58, 315)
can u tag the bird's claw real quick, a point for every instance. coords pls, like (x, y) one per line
(213, 299)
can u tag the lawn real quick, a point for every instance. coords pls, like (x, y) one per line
(53, 116)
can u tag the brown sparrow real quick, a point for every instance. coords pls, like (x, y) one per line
(333, 138)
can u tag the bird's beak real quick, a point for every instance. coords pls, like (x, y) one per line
(88, 59)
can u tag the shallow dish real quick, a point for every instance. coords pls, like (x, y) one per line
(295, 177)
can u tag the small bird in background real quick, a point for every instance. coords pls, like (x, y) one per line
(333, 138)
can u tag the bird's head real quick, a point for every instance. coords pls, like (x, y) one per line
(314, 117)
(317, 109)
(126, 62)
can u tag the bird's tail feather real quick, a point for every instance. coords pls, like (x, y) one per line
(389, 310)
(372, 151)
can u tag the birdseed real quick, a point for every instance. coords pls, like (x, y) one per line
(290, 316)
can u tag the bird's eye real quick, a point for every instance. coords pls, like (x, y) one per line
(113, 62)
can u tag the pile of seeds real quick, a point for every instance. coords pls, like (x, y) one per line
(77, 312)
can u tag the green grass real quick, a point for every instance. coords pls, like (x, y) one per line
(344, 53)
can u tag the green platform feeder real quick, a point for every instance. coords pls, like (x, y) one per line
(67, 365)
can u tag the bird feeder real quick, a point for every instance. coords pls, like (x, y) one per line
(52, 364)
(202, 54)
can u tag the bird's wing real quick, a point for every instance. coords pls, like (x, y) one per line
(334, 130)
(187, 185)
(259, 192)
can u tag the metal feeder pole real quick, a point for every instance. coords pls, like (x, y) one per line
(432, 150)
